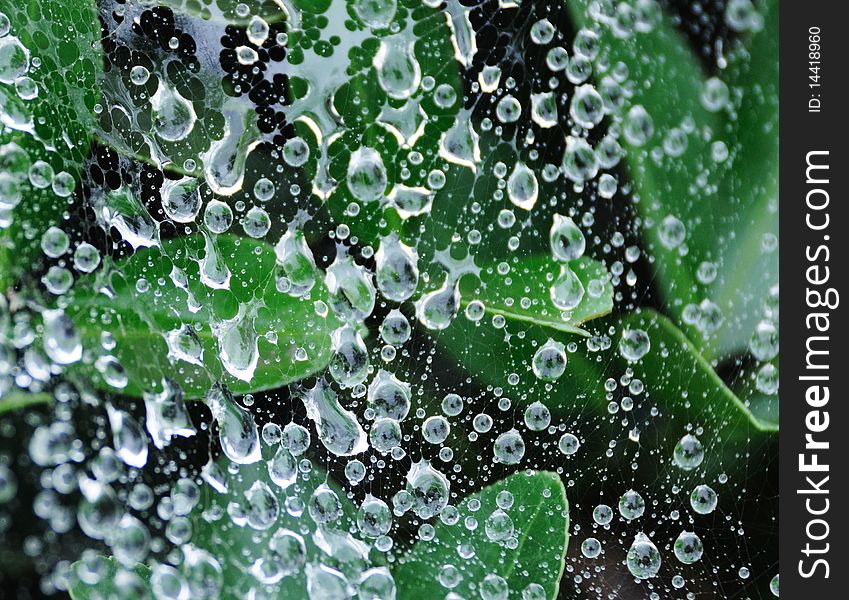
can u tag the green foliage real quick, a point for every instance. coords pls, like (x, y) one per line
(178, 300)
(54, 126)
(115, 580)
(540, 517)
(489, 353)
(235, 546)
(522, 294)
(726, 206)
(683, 382)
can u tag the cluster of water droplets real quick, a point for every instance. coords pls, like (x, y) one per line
(270, 260)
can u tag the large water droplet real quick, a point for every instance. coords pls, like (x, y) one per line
(237, 430)
(338, 429)
(643, 558)
(397, 270)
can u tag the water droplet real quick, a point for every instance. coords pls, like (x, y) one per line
(689, 453)
(549, 362)
(688, 547)
(397, 271)
(703, 500)
(509, 448)
(338, 429)
(643, 558)
(429, 489)
(237, 430)
(634, 345)
(566, 239)
(367, 178)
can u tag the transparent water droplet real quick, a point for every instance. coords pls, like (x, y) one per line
(522, 187)
(398, 71)
(237, 344)
(367, 178)
(350, 361)
(587, 108)
(14, 59)
(509, 448)
(703, 500)
(166, 414)
(128, 437)
(173, 115)
(435, 429)
(566, 291)
(549, 361)
(282, 468)
(237, 430)
(436, 310)
(338, 429)
(634, 345)
(352, 292)
(181, 199)
(395, 328)
(580, 163)
(671, 232)
(568, 444)
(689, 453)
(566, 239)
(376, 14)
(429, 489)
(643, 558)
(62, 342)
(397, 271)
(688, 548)
(544, 109)
(631, 505)
(498, 526)
(537, 416)
(374, 517)
(262, 507)
(460, 144)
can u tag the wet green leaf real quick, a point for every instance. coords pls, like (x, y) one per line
(52, 126)
(751, 271)
(727, 205)
(404, 131)
(683, 381)
(237, 548)
(114, 581)
(522, 294)
(491, 353)
(540, 521)
(139, 301)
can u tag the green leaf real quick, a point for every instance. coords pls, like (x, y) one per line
(540, 517)
(250, 309)
(491, 353)
(115, 580)
(726, 207)
(750, 273)
(523, 293)
(237, 547)
(54, 126)
(682, 381)
(17, 399)
(395, 127)
(745, 385)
